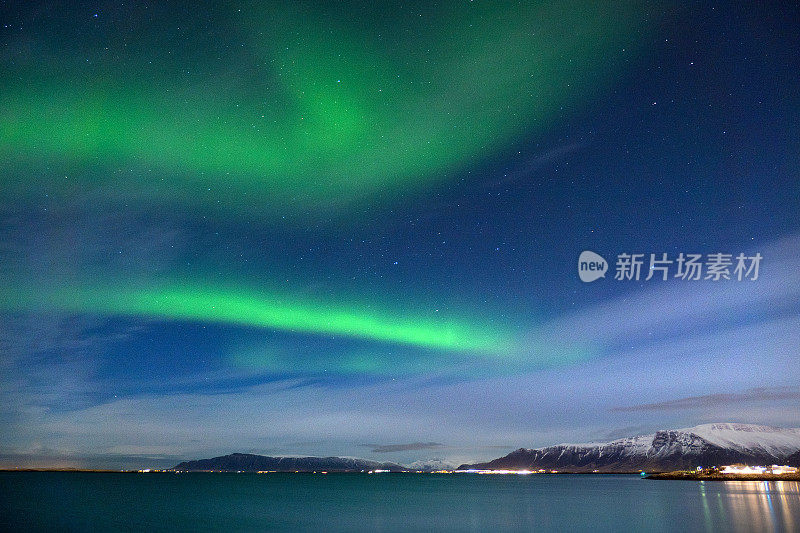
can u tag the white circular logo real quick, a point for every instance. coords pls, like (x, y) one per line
(591, 266)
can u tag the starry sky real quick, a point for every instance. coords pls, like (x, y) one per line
(353, 228)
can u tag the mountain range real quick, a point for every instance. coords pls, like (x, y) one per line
(666, 450)
(246, 462)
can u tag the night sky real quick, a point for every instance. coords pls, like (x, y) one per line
(353, 228)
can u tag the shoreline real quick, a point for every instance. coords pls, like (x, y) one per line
(672, 476)
(694, 476)
(169, 471)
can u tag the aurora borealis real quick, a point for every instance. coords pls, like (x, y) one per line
(331, 115)
(326, 220)
(320, 107)
(248, 309)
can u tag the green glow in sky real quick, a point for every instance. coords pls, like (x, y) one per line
(273, 311)
(284, 111)
(320, 106)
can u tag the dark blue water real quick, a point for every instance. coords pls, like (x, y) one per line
(73, 501)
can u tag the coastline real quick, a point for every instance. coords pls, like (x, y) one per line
(675, 475)
(695, 476)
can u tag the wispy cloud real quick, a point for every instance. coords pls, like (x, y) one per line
(678, 310)
(536, 162)
(389, 448)
(759, 394)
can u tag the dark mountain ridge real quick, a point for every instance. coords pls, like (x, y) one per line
(246, 462)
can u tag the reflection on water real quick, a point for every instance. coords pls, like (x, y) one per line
(750, 505)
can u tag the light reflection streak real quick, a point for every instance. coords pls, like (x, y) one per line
(751, 505)
(706, 510)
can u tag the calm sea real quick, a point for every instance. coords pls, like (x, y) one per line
(389, 502)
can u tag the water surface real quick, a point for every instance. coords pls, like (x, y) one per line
(76, 501)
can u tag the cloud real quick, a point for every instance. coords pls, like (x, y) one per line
(536, 162)
(759, 394)
(52, 361)
(70, 460)
(71, 242)
(389, 448)
(676, 310)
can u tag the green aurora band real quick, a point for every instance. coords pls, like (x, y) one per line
(325, 106)
(274, 311)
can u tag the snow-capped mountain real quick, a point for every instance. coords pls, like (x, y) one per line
(704, 445)
(430, 465)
